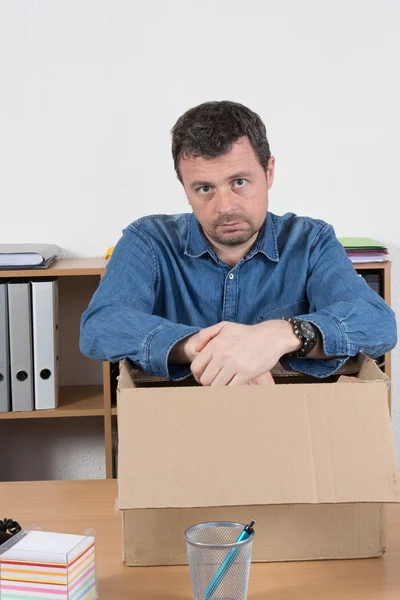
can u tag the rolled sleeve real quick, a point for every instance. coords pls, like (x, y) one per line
(119, 321)
(334, 343)
(350, 316)
(333, 333)
(158, 346)
(319, 368)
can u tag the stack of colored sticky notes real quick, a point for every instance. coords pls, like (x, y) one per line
(48, 565)
(364, 250)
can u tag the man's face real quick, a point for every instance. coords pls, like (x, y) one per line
(229, 194)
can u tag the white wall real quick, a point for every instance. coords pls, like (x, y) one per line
(91, 88)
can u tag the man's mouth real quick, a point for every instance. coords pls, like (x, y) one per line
(230, 225)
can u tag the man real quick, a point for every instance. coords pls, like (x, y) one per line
(229, 290)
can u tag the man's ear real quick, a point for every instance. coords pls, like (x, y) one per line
(270, 171)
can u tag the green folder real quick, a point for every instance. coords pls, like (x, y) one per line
(356, 243)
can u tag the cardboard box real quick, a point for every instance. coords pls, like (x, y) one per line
(313, 463)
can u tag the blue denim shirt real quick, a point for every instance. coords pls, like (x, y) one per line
(165, 282)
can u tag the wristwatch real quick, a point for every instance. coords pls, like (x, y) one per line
(307, 334)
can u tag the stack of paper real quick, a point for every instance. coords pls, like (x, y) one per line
(364, 250)
(49, 565)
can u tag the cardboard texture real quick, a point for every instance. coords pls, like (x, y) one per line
(313, 463)
(284, 533)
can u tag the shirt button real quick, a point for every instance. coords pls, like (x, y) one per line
(231, 276)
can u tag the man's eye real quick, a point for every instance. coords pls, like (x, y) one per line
(205, 189)
(240, 182)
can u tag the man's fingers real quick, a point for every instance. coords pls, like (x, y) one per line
(223, 378)
(239, 379)
(211, 371)
(210, 374)
(200, 363)
(268, 378)
(265, 378)
(207, 334)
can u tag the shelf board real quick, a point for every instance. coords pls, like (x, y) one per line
(372, 265)
(97, 266)
(62, 268)
(75, 401)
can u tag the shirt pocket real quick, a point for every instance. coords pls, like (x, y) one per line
(288, 310)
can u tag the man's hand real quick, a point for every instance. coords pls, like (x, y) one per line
(185, 351)
(239, 354)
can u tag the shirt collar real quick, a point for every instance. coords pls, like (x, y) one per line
(196, 242)
(266, 243)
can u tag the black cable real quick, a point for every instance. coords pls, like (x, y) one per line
(8, 528)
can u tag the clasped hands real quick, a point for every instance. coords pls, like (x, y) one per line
(234, 354)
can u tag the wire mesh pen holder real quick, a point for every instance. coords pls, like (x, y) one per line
(219, 563)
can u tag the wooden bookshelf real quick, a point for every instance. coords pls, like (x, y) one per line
(78, 400)
(385, 270)
(75, 401)
(95, 400)
(373, 266)
(62, 268)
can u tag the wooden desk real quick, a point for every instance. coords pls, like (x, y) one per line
(73, 506)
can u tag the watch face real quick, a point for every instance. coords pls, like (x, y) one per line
(307, 330)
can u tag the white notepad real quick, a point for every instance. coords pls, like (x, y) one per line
(51, 547)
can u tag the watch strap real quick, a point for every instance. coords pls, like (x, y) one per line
(307, 343)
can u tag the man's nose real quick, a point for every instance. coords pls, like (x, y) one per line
(223, 201)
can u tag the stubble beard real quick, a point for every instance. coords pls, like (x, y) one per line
(232, 239)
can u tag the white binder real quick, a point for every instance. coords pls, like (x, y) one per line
(45, 342)
(4, 350)
(20, 328)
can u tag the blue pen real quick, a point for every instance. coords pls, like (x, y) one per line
(229, 560)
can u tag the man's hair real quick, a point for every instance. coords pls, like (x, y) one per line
(209, 130)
